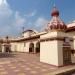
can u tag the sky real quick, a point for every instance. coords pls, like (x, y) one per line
(31, 14)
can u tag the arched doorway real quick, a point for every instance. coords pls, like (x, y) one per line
(31, 47)
(0, 48)
(37, 47)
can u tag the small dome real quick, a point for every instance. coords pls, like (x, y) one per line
(55, 12)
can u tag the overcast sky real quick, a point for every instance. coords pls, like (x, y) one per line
(31, 14)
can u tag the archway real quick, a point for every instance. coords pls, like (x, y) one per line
(38, 47)
(31, 47)
(0, 48)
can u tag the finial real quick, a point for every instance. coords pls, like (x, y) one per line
(55, 11)
(22, 29)
(54, 5)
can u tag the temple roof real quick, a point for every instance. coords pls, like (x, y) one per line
(56, 23)
(30, 30)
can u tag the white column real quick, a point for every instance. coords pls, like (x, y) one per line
(35, 46)
(3, 47)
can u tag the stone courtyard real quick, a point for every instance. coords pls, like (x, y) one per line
(23, 64)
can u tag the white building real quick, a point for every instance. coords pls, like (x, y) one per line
(56, 44)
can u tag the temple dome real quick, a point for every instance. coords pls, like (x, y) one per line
(56, 23)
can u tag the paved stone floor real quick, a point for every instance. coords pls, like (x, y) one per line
(23, 64)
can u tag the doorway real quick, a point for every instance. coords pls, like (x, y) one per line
(38, 47)
(66, 55)
(31, 47)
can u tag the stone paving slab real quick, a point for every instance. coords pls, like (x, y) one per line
(28, 64)
(23, 64)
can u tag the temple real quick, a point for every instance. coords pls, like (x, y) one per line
(56, 44)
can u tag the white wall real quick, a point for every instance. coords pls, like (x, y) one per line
(60, 53)
(50, 34)
(26, 34)
(49, 52)
(13, 46)
(74, 42)
(26, 47)
(22, 46)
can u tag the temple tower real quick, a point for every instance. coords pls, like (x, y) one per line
(55, 44)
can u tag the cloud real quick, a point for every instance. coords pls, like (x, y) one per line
(19, 21)
(41, 23)
(3, 2)
(31, 14)
(5, 10)
(10, 21)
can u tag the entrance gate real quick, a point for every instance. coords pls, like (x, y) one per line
(66, 55)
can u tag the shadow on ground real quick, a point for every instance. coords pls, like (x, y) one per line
(7, 55)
